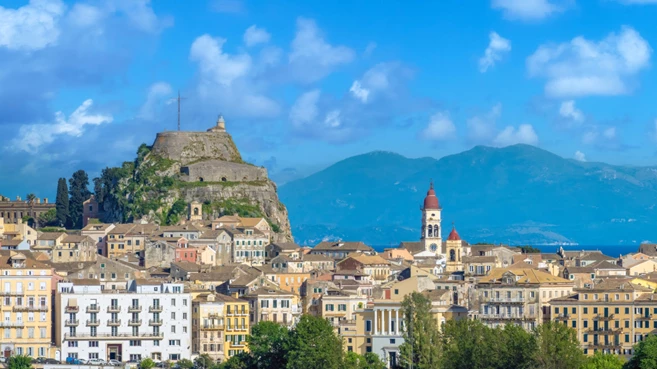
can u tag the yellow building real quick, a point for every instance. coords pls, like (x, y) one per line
(289, 282)
(220, 325)
(25, 290)
(611, 316)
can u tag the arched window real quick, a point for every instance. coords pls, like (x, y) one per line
(430, 231)
(452, 255)
(435, 231)
(195, 211)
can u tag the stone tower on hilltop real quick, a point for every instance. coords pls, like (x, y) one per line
(431, 232)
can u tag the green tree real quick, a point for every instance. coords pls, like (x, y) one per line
(185, 364)
(557, 347)
(645, 354)
(47, 219)
(313, 344)
(422, 338)
(146, 364)
(370, 360)
(471, 344)
(19, 362)
(61, 202)
(267, 344)
(31, 200)
(603, 361)
(204, 361)
(79, 193)
(517, 347)
(240, 361)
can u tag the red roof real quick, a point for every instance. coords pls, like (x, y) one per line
(431, 201)
(453, 235)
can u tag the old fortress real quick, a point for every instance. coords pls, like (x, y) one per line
(126, 292)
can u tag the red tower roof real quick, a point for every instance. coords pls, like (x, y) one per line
(431, 201)
(453, 235)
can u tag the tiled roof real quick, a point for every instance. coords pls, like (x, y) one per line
(342, 246)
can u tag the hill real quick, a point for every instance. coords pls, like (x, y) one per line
(517, 194)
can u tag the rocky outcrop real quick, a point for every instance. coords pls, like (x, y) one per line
(186, 147)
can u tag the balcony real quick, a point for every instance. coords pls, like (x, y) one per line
(72, 309)
(6, 324)
(644, 317)
(30, 308)
(93, 309)
(605, 331)
(603, 318)
(212, 327)
(562, 317)
(133, 322)
(155, 309)
(12, 293)
(508, 300)
(508, 316)
(602, 345)
(109, 336)
(72, 323)
(113, 309)
(134, 308)
(231, 313)
(114, 323)
(93, 323)
(155, 322)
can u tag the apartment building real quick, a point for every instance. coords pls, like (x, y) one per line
(25, 290)
(248, 245)
(151, 319)
(374, 266)
(274, 305)
(75, 249)
(610, 316)
(220, 324)
(518, 295)
(338, 305)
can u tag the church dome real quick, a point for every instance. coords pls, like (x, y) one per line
(453, 235)
(431, 201)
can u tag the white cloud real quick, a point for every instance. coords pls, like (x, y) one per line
(526, 9)
(32, 137)
(223, 68)
(333, 119)
(255, 35)
(369, 49)
(481, 128)
(359, 92)
(525, 134)
(311, 57)
(31, 27)
(440, 127)
(582, 67)
(603, 138)
(497, 48)
(609, 133)
(156, 95)
(579, 156)
(83, 15)
(569, 111)
(140, 13)
(305, 110)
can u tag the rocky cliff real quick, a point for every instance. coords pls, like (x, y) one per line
(181, 167)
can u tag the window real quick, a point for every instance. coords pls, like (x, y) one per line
(135, 343)
(368, 326)
(93, 343)
(93, 355)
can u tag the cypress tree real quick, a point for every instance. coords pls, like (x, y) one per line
(61, 203)
(79, 191)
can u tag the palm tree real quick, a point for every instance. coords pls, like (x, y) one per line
(31, 199)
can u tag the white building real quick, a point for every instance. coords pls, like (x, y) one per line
(151, 319)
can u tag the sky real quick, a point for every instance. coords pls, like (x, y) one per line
(303, 84)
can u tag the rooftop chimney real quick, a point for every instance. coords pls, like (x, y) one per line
(45, 200)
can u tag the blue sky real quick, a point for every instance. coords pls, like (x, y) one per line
(303, 84)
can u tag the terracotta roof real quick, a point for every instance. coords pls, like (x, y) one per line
(431, 201)
(211, 234)
(412, 246)
(367, 259)
(50, 236)
(453, 235)
(315, 258)
(524, 275)
(264, 291)
(250, 222)
(479, 259)
(340, 246)
(77, 239)
(97, 227)
(286, 246)
(122, 229)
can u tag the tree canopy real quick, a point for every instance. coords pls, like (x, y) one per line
(62, 203)
(79, 193)
(19, 362)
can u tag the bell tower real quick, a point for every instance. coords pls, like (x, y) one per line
(431, 231)
(454, 252)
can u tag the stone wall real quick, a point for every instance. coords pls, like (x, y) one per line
(187, 147)
(222, 171)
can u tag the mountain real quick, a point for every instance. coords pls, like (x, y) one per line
(518, 194)
(182, 167)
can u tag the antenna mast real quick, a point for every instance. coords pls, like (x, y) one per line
(179, 99)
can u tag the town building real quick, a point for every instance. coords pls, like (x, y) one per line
(14, 211)
(98, 232)
(248, 245)
(26, 293)
(75, 249)
(47, 241)
(220, 325)
(518, 295)
(151, 319)
(339, 250)
(272, 305)
(431, 231)
(374, 266)
(454, 252)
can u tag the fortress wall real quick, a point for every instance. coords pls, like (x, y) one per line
(220, 171)
(189, 146)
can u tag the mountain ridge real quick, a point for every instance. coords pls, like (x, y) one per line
(515, 194)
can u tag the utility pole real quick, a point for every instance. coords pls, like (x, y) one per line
(179, 98)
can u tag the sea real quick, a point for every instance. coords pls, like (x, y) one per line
(610, 250)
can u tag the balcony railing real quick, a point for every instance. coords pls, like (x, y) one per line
(134, 308)
(562, 317)
(134, 322)
(93, 309)
(71, 323)
(72, 309)
(109, 336)
(602, 317)
(602, 330)
(644, 317)
(30, 308)
(155, 309)
(509, 300)
(114, 323)
(6, 324)
(155, 322)
(610, 345)
(113, 309)
(212, 327)
(508, 316)
(12, 293)
(93, 323)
